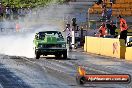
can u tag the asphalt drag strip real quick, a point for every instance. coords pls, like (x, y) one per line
(65, 70)
(50, 72)
(30, 73)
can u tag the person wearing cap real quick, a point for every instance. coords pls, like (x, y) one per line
(123, 28)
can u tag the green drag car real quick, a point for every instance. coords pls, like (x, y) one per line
(49, 43)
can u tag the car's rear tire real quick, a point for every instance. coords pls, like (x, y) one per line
(65, 55)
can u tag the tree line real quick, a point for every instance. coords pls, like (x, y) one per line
(29, 3)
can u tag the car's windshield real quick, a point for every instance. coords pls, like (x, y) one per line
(41, 35)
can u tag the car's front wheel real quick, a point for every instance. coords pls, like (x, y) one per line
(65, 55)
(58, 55)
(37, 55)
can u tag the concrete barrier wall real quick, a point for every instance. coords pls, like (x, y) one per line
(108, 47)
(93, 45)
(128, 53)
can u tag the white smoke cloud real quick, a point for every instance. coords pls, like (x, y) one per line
(21, 43)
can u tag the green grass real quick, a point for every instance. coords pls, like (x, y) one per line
(31, 3)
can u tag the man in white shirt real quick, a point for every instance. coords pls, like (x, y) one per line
(68, 31)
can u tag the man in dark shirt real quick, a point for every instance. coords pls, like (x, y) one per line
(112, 29)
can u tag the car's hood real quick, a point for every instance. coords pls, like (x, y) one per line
(51, 40)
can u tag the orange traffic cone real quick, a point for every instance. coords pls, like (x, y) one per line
(17, 27)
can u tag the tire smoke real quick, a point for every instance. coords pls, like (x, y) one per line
(20, 42)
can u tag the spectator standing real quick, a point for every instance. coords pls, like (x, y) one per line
(15, 12)
(1, 10)
(109, 13)
(8, 12)
(68, 33)
(112, 28)
(104, 12)
(20, 11)
(123, 28)
(29, 13)
(23, 12)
